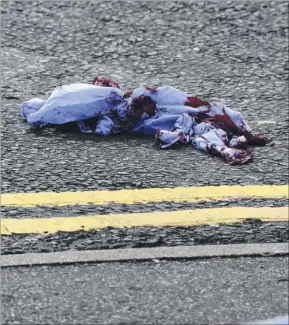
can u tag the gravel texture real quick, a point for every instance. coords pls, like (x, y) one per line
(215, 291)
(250, 231)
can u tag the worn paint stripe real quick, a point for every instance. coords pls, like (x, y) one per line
(178, 194)
(154, 219)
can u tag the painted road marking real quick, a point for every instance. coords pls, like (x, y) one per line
(178, 194)
(154, 219)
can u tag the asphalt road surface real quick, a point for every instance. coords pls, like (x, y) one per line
(234, 51)
(217, 291)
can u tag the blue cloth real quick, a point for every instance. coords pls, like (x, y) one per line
(79, 102)
(75, 102)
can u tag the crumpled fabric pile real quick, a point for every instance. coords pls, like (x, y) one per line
(172, 116)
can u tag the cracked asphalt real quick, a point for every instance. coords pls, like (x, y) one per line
(233, 51)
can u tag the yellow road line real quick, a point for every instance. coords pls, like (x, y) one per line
(178, 194)
(156, 219)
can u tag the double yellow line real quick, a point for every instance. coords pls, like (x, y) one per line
(178, 194)
(167, 218)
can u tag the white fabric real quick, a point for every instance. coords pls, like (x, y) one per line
(73, 102)
(219, 108)
(173, 121)
(166, 95)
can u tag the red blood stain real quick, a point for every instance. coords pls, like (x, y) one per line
(196, 102)
(99, 81)
(142, 104)
(128, 94)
